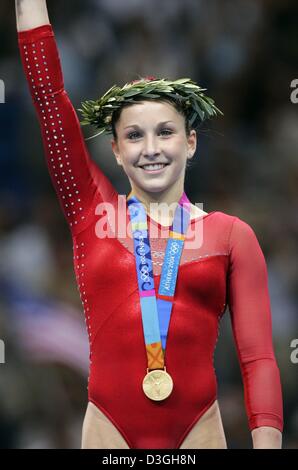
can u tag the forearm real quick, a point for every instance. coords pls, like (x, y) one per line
(31, 14)
(266, 437)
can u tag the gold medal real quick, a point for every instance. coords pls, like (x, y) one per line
(157, 384)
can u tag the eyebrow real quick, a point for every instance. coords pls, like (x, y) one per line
(160, 123)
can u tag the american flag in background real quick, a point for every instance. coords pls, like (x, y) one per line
(47, 330)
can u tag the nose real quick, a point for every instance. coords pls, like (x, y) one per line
(151, 147)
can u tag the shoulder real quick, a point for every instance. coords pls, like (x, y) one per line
(243, 239)
(232, 221)
(238, 231)
(239, 239)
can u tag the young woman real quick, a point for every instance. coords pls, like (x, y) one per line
(152, 332)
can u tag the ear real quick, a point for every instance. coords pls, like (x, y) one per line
(191, 143)
(116, 152)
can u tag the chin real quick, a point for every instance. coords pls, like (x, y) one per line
(156, 189)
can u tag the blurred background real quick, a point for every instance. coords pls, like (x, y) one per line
(245, 52)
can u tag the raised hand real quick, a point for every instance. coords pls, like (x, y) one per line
(31, 14)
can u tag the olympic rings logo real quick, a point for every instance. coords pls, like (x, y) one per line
(144, 273)
(174, 248)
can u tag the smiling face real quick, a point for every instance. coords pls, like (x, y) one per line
(153, 132)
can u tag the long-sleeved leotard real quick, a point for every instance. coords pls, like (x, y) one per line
(228, 268)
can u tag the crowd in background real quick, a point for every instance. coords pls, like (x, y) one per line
(245, 53)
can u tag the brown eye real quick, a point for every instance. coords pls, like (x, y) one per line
(167, 130)
(132, 134)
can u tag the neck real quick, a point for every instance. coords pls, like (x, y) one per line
(168, 199)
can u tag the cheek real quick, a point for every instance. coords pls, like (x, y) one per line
(129, 152)
(129, 162)
(127, 156)
(177, 145)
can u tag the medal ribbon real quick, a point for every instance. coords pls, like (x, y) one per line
(156, 313)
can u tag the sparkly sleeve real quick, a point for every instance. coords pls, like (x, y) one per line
(249, 306)
(70, 166)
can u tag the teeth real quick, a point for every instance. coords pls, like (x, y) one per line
(155, 166)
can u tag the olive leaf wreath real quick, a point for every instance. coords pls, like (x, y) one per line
(198, 107)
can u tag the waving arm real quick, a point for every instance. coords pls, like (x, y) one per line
(79, 183)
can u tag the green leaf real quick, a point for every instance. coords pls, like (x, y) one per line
(132, 93)
(181, 80)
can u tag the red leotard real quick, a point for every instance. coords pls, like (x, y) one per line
(227, 269)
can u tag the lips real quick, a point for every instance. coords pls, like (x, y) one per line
(155, 170)
(155, 163)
